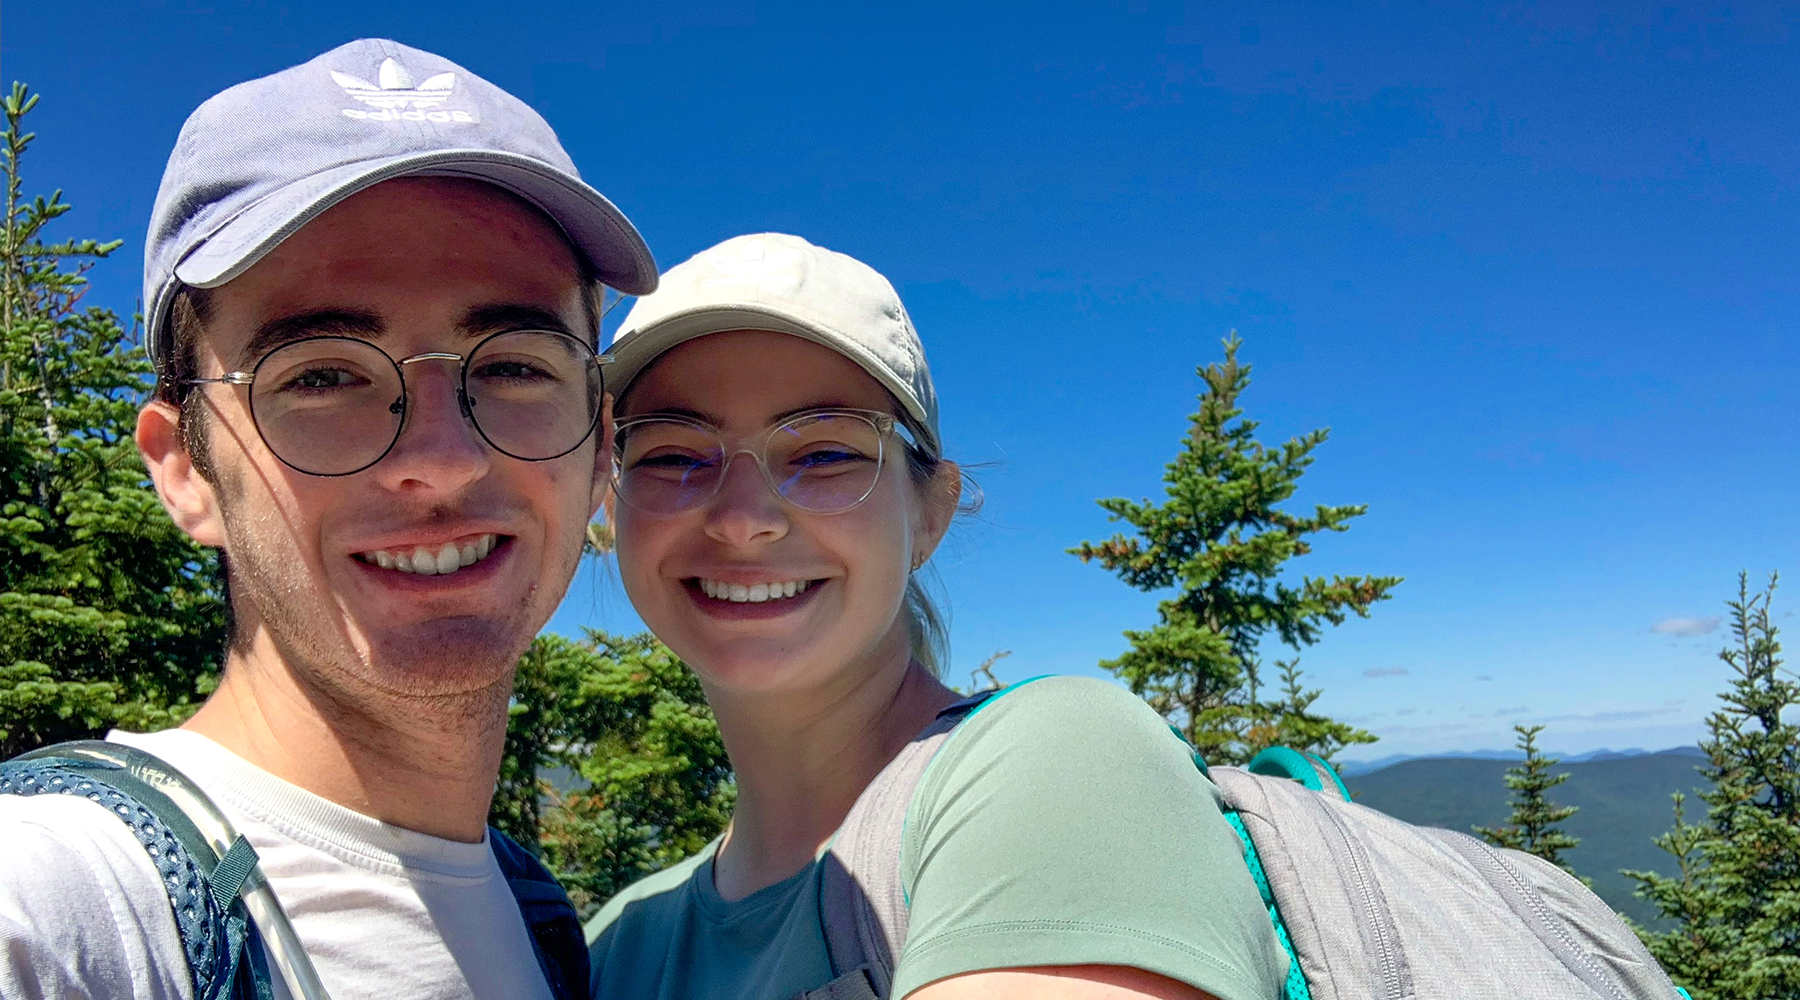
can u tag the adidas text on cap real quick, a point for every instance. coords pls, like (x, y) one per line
(260, 160)
(781, 283)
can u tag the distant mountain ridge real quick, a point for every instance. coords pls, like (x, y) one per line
(1350, 768)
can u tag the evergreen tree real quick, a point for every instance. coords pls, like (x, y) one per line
(1533, 826)
(1221, 540)
(614, 767)
(109, 615)
(545, 725)
(1290, 721)
(1736, 901)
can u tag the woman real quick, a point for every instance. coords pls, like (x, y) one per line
(1062, 843)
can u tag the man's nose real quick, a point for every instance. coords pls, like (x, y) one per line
(439, 449)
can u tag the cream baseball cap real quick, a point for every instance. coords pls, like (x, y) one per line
(782, 283)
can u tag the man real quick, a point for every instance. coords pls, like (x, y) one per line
(370, 291)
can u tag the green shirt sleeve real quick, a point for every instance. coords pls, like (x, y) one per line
(1063, 824)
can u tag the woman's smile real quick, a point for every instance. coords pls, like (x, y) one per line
(752, 602)
(755, 593)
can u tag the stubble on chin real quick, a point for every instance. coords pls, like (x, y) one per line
(447, 670)
(315, 635)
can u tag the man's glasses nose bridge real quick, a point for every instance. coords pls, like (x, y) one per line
(399, 406)
(432, 356)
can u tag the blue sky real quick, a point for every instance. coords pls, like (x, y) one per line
(1534, 265)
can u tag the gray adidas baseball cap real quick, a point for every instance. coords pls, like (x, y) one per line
(261, 159)
(781, 283)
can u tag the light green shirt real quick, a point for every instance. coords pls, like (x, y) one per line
(1060, 824)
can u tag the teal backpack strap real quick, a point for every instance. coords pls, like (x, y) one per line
(223, 950)
(555, 926)
(1294, 988)
(1308, 769)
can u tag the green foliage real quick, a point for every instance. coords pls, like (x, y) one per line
(614, 767)
(1290, 721)
(109, 615)
(1736, 901)
(1222, 542)
(1535, 824)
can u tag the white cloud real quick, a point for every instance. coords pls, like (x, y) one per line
(1386, 672)
(1685, 628)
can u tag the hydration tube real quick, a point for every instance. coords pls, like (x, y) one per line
(286, 954)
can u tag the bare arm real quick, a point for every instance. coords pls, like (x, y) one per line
(1060, 982)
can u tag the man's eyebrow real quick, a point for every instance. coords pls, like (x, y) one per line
(319, 323)
(369, 326)
(511, 316)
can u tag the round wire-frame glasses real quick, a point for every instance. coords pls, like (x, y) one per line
(822, 461)
(319, 402)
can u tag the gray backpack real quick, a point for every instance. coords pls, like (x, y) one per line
(1367, 907)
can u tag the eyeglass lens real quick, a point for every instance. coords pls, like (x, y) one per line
(824, 463)
(335, 405)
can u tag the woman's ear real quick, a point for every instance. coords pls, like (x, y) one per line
(191, 500)
(940, 496)
(600, 536)
(600, 493)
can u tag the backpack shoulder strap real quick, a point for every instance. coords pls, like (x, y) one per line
(223, 951)
(1308, 769)
(862, 905)
(551, 918)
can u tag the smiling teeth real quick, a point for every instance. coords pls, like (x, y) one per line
(753, 593)
(445, 559)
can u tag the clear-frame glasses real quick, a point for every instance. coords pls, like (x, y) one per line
(824, 461)
(333, 406)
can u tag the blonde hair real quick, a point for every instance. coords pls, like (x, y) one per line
(927, 630)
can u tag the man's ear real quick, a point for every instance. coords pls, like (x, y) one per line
(940, 497)
(191, 501)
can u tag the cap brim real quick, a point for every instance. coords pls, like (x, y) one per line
(643, 346)
(593, 224)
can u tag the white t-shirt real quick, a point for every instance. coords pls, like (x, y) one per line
(382, 911)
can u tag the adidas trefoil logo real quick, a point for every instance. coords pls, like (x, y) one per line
(396, 98)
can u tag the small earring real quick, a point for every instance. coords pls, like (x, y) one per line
(918, 561)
